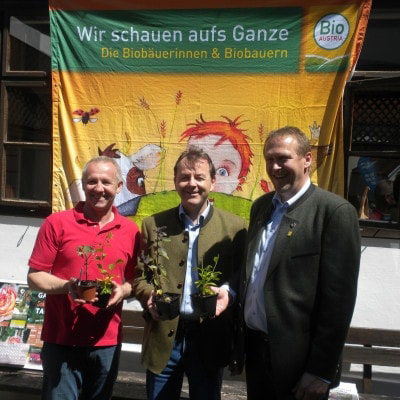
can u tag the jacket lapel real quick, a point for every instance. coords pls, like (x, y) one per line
(287, 228)
(285, 232)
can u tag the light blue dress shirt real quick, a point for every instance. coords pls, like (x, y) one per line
(254, 309)
(193, 230)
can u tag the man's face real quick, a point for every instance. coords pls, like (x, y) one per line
(226, 160)
(286, 168)
(101, 185)
(193, 184)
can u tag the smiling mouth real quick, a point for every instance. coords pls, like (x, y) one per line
(98, 198)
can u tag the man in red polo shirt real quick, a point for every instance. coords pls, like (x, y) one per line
(82, 342)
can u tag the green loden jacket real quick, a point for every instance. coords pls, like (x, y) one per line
(222, 234)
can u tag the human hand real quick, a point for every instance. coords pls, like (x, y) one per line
(151, 306)
(310, 387)
(117, 295)
(222, 299)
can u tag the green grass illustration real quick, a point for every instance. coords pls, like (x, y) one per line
(315, 63)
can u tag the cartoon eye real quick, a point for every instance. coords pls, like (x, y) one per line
(140, 182)
(222, 172)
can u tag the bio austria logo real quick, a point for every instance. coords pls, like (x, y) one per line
(331, 31)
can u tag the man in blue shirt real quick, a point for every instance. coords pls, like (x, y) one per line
(300, 281)
(198, 232)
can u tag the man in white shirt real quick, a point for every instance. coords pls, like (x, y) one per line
(300, 282)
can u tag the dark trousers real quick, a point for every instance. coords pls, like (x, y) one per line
(259, 374)
(72, 372)
(259, 378)
(204, 382)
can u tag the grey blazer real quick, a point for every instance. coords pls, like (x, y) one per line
(311, 284)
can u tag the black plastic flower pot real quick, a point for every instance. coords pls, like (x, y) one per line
(168, 305)
(102, 300)
(204, 306)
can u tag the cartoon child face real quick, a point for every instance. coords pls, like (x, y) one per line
(228, 147)
(226, 159)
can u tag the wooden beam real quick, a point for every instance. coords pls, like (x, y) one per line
(374, 337)
(371, 355)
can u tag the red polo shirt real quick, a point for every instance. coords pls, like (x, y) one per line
(66, 322)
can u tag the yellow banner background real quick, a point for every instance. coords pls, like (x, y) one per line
(138, 110)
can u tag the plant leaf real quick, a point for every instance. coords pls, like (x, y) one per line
(163, 253)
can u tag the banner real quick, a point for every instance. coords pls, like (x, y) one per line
(141, 82)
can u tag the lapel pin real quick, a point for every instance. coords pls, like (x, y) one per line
(292, 225)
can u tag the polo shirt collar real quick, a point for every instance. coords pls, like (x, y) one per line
(80, 216)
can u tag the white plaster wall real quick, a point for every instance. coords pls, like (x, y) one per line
(17, 237)
(378, 300)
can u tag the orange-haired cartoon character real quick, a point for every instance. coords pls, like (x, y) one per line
(228, 147)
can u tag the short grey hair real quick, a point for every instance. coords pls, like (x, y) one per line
(102, 159)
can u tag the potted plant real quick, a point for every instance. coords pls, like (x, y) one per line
(104, 285)
(154, 272)
(86, 288)
(101, 287)
(205, 301)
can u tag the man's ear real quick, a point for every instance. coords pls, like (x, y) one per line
(308, 158)
(119, 188)
(213, 180)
